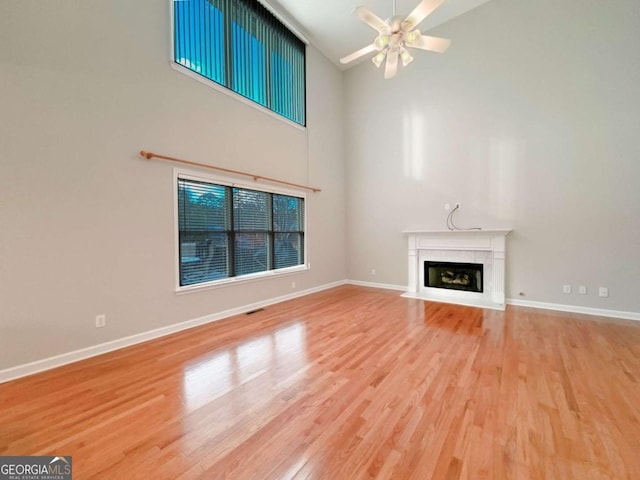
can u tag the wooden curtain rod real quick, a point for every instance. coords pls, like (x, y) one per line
(150, 155)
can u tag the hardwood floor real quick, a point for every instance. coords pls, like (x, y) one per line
(349, 383)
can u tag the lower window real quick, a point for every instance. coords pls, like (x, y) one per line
(225, 231)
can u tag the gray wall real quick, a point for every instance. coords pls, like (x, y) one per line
(87, 226)
(530, 121)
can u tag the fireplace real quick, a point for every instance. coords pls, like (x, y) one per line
(478, 256)
(454, 276)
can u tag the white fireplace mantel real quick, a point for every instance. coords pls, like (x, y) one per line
(487, 247)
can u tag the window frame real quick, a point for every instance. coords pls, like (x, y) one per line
(180, 173)
(229, 91)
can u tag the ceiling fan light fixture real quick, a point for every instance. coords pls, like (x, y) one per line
(381, 41)
(379, 58)
(406, 57)
(413, 37)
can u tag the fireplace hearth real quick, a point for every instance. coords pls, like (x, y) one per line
(454, 276)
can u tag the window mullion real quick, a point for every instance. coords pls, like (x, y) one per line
(228, 13)
(268, 47)
(271, 236)
(231, 235)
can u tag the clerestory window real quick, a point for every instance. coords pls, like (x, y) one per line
(240, 45)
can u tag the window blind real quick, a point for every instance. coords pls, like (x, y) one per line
(239, 44)
(204, 224)
(228, 231)
(288, 227)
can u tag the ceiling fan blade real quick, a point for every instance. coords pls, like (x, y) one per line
(424, 8)
(433, 44)
(360, 53)
(371, 19)
(391, 68)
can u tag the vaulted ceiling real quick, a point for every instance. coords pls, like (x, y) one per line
(331, 26)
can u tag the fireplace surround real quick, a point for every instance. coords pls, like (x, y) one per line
(486, 248)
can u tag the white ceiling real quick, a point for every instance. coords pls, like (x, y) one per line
(331, 26)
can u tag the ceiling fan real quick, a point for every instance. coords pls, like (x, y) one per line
(395, 35)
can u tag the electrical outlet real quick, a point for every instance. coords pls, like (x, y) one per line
(293, 284)
(101, 321)
(457, 204)
(603, 292)
(566, 288)
(447, 206)
(373, 271)
(582, 290)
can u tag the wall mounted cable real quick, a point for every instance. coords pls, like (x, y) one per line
(453, 226)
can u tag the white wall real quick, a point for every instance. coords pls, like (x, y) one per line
(531, 121)
(87, 226)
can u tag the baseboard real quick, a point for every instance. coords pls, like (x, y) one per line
(38, 366)
(600, 312)
(386, 286)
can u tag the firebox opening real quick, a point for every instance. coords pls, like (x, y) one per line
(454, 276)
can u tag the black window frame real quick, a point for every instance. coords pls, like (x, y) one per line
(229, 259)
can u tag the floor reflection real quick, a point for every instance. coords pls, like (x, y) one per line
(207, 380)
(467, 320)
(271, 360)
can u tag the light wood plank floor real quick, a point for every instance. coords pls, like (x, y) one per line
(347, 384)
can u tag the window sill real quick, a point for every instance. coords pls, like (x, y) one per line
(253, 277)
(234, 95)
